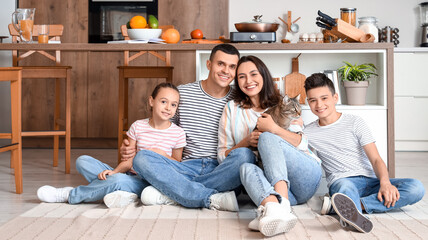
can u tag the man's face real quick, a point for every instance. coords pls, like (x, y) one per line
(222, 68)
(322, 102)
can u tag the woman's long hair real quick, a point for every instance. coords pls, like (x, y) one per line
(268, 96)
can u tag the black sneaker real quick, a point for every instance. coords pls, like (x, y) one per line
(348, 212)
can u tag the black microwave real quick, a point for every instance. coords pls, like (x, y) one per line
(106, 17)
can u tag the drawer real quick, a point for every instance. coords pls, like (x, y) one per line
(410, 74)
(411, 118)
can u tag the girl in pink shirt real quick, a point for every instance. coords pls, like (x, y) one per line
(156, 133)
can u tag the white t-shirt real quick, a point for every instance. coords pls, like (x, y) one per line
(340, 147)
(164, 139)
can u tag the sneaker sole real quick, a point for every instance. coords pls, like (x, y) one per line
(271, 227)
(346, 209)
(115, 201)
(326, 205)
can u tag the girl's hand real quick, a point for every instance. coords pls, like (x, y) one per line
(253, 138)
(103, 174)
(265, 123)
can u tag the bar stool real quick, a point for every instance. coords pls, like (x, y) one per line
(56, 72)
(139, 72)
(14, 76)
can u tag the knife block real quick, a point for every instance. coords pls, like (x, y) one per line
(346, 30)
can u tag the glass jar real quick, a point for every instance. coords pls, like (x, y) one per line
(349, 15)
(369, 25)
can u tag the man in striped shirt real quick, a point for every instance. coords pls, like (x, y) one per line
(357, 176)
(199, 180)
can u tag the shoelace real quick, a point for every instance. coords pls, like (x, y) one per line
(261, 212)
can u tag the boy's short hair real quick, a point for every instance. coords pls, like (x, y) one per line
(319, 80)
(226, 48)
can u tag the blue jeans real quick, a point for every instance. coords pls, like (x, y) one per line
(281, 162)
(364, 190)
(90, 167)
(192, 182)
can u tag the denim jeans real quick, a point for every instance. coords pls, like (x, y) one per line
(90, 167)
(281, 162)
(192, 182)
(364, 190)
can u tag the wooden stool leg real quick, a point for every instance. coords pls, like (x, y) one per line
(57, 114)
(16, 154)
(121, 112)
(67, 121)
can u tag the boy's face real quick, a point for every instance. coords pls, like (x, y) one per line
(322, 102)
(222, 68)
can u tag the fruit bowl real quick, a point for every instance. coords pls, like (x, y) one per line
(144, 33)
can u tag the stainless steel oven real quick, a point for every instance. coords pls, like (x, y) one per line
(106, 17)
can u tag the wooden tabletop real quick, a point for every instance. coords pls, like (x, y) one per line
(103, 47)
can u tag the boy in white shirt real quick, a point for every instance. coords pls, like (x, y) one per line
(357, 176)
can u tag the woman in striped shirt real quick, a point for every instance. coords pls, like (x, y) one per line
(291, 175)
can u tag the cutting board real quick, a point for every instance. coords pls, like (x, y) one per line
(295, 81)
(206, 41)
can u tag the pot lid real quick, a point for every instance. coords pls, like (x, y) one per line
(256, 20)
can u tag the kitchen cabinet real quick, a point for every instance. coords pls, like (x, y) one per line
(378, 111)
(411, 100)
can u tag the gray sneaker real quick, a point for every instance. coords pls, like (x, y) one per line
(348, 213)
(225, 201)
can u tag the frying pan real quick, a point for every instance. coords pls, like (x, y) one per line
(256, 27)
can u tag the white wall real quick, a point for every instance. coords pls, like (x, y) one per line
(401, 14)
(6, 9)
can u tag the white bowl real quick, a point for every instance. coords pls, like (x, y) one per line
(144, 33)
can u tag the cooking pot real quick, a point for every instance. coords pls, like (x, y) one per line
(256, 26)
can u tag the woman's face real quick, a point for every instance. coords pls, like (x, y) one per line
(249, 79)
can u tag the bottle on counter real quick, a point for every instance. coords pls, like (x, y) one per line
(349, 15)
(369, 25)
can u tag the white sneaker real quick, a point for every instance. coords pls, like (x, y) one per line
(276, 218)
(51, 194)
(225, 201)
(254, 224)
(119, 199)
(152, 196)
(326, 205)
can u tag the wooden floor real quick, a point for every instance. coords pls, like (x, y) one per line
(38, 171)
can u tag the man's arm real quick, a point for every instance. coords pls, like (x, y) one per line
(388, 191)
(127, 151)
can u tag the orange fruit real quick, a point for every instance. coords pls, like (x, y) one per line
(138, 22)
(171, 35)
(197, 34)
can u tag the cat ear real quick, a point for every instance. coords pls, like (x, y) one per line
(285, 99)
(297, 97)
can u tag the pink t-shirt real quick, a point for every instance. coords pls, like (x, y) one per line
(148, 137)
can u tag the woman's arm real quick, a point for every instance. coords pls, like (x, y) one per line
(265, 123)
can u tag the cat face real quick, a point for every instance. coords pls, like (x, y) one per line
(286, 111)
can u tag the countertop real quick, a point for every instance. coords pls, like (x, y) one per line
(190, 47)
(411, 50)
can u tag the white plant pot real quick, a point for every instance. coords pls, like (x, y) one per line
(356, 92)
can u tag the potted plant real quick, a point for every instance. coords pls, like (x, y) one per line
(355, 80)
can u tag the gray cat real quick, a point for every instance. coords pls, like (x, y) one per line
(282, 114)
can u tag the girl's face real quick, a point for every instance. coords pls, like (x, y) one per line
(165, 104)
(249, 79)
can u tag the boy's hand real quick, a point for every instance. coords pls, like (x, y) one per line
(103, 174)
(126, 151)
(389, 193)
